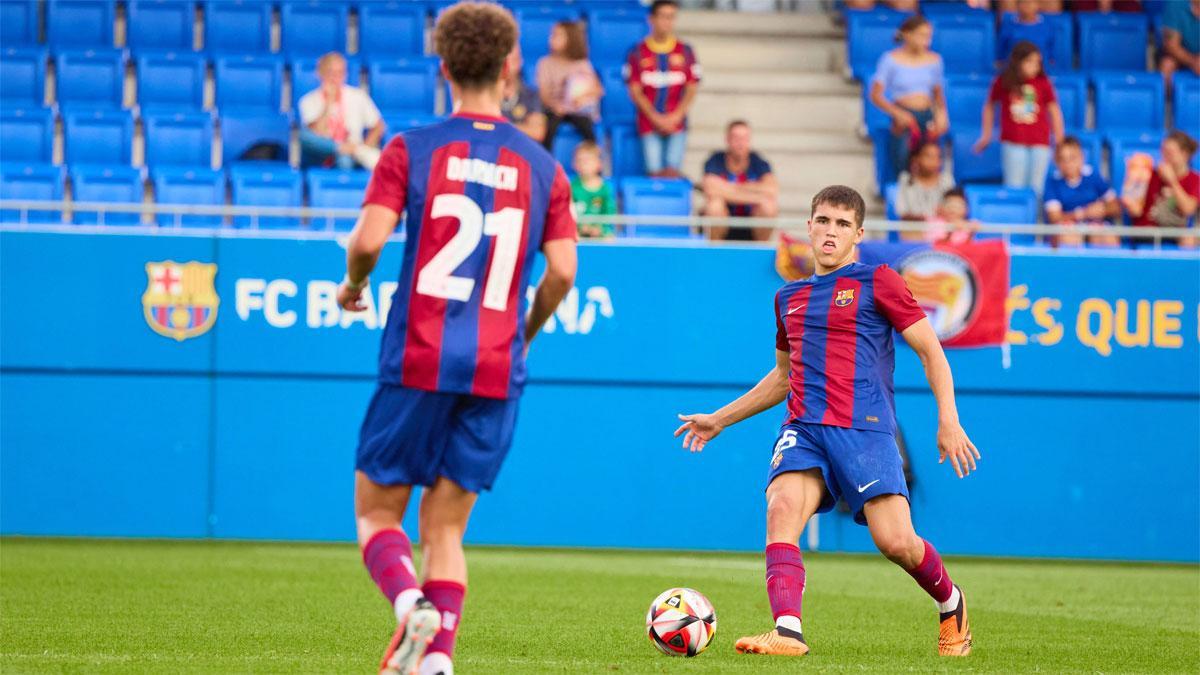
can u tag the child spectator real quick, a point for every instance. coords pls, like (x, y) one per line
(1076, 194)
(1028, 26)
(568, 84)
(592, 195)
(1173, 193)
(1029, 112)
(952, 224)
(1181, 39)
(920, 189)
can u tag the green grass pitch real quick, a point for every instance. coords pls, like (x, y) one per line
(102, 606)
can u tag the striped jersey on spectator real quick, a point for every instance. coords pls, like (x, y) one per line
(662, 70)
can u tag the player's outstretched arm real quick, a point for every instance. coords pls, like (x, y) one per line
(375, 224)
(561, 264)
(768, 393)
(952, 440)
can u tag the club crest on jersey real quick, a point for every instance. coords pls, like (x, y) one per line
(181, 298)
(844, 297)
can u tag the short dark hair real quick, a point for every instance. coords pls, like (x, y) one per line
(844, 197)
(909, 25)
(1068, 142)
(736, 123)
(1185, 142)
(659, 4)
(955, 192)
(474, 39)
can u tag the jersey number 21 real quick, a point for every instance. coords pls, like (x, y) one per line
(437, 277)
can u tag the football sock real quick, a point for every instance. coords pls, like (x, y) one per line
(932, 576)
(447, 596)
(789, 622)
(785, 581)
(388, 557)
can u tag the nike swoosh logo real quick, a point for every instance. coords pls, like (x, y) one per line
(863, 488)
(797, 308)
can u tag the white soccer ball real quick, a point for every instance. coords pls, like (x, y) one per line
(681, 622)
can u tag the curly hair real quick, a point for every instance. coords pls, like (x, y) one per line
(473, 39)
(844, 197)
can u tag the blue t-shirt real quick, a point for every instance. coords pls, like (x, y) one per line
(899, 80)
(755, 170)
(1068, 197)
(1179, 18)
(1040, 33)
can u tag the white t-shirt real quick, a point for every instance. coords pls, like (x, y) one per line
(358, 110)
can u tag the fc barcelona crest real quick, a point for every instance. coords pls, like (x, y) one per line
(181, 298)
(844, 297)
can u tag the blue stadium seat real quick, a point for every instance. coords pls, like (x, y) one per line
(98, 137)
(563, 148)
(172, 80)
(240, 130)
(192, 186)
(1128, 101)
(994, 204)
(259, 186)
(304, 76)
(404, 85)
(160, 24)
(93, 78)
(23, 77)
(627, 160)
(19, 23)
(1072, 92)
(30, 181)
(335, 189)
(26, 134)
(616, 107)
(965, 96)
(868, 35)
(1187, 103)
(970, 167)
(107, 184)
(1063, 58)
(178, 139)
(312, 27)
(536, 23)
(966, 41)
(249, 82)
(237, 27)
(612, 33)
(391, 30)
(1114, 41)
(656, 197)
(880, 138)
(873, 116)
(935, 7)
(890, 192)
(399, 123)
(80, 24)
(1121, 146)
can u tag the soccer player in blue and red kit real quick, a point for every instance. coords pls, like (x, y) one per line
(833, 364)
(479, 199)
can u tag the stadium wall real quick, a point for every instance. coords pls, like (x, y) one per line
(1088, 424)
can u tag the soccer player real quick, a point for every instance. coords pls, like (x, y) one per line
(479, 198)
(833, 364)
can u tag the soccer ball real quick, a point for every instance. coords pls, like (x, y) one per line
(681, 622)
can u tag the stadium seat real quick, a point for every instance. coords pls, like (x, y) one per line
(241, 130)
(1121, 146)
(160, 24)
(304, 76)
(80, 24)
(1072, 92)
(191, 187)
(616, 107)
(108, 184)
(23, 77)
(970, 167)
(935, 7)
(313, 27)
(173, 80)
(19, 23)
(398, 123)
(26, 134)
(404, 85)
(994, 204)
(178, 139)
(889, 199)
(965, 96)
(1128, 101)
(94, 78)
(536, 23)
(98, 137)
(259, 186)
(237, 27)
(612, 33)
(565, 140)
(30, 181)
(249, 82)
(1112, 41)
(1187, 103)
(966, 41)
(868, 35)
(1063, 58)
(880, 139)
(656, 197)
(335, 189)
(627, 160)
(391, 30)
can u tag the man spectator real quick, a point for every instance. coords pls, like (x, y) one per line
(521, 105)
(1181, 39)
(334, 118)
(739, 182)
(662, 74)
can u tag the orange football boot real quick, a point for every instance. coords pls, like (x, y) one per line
(954, 636)
(779, 642)
(412, 636)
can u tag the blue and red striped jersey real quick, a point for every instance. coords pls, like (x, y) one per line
(838, 330)
(662, 71)
(479, 198)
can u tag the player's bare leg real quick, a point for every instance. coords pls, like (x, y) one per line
(890, 522)
(792, 499)
(445, 510)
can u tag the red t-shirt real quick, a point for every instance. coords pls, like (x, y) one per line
(1157, 190)
(1024, 119)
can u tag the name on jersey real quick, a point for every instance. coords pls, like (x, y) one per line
(483, 172)
(661, 79)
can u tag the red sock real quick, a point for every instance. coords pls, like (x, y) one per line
(447, 596)
(932, 576)
(785, 579)
(388, 557)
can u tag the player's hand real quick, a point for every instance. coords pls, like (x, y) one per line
(953, 444)
(350, 299)
(701, 428)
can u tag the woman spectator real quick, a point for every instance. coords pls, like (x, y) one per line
(920, 189)
(1028, 113)
(1173, 192)
(909, 85)
(568, 84)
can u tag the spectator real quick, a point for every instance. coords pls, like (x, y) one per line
(1104, 5)
(333, 119)
(1076, 194)
(739, 182)
(591, 194)
(909, 86)
(919, 190)
(568, 84)
(1028, 26)
(1173, 191)
(1180, 39)
(662, 75)
(521, 105)
(952, 224)
(898, 5)
(1028, 113)
(1046, 6)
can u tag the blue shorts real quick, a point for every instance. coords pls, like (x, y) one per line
(411, 437)
(857, 465)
